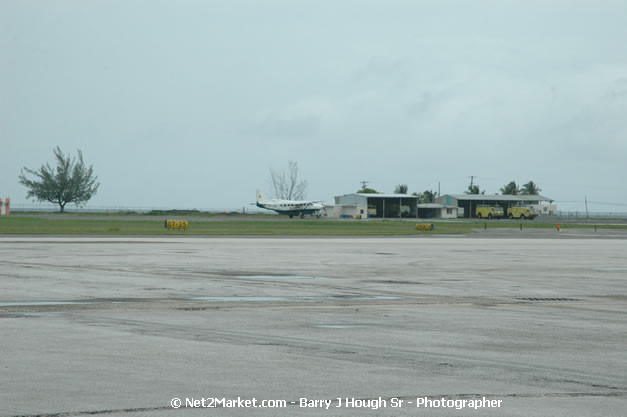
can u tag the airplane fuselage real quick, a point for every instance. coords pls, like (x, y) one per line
(290, 207)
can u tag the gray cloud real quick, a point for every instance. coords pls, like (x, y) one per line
(618, 89)
(179, 93)
(304, 127)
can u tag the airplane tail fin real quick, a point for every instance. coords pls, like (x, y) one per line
(259, 197)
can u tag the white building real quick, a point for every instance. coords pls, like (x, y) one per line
(363, 205)
(469, 202)
(437, 211)
(5, 206)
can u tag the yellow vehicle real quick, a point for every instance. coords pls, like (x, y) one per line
(521, 213)
(489, 212)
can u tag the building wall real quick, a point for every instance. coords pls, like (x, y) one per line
(467, 208)
(545, 208)
(351, 199)
(449, 213)
(437, 212)
(447, 200)
(378, 205)
(345, 212)
(5, 207)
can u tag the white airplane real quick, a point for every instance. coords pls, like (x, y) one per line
(290, 207)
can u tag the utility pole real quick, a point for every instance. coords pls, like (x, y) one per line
(364, 184)
(586, 200)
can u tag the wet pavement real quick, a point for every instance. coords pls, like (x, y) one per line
(122, 326)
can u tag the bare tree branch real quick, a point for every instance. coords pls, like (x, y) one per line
(286, 184)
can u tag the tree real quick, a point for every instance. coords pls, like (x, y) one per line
(510, 189)
(365, 190)
(401, 189)
(530, 189)
(286, 184)
(429, 196)
(474, 189)
(71, 182)
(368, 191)
(418, 196)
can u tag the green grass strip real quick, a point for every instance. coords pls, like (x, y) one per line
(16, 225)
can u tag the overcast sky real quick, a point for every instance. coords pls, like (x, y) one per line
(188, 104)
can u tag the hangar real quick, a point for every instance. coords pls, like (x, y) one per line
(437, 211)
(468, 203)
(380, 205)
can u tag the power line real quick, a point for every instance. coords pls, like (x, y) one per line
(603, 203)
(608, 204)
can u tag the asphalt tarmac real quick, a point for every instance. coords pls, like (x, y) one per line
(120, 326)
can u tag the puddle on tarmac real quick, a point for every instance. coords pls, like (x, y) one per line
(295, 299)
(40, 303)
(275, 277)
(364, 297)
(41, 314)
(239, 299)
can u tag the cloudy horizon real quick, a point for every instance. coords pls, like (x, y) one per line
(189, 104)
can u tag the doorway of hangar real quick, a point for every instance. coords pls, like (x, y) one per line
(392, 207)
(470, 205)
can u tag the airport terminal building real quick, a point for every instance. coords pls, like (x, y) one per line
(447, 206)
(364, 205)
(468, 203)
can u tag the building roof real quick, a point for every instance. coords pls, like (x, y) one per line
(434, 206)
(372, 195)
(498, 197)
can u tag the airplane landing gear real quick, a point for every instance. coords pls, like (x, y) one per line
(302, 216)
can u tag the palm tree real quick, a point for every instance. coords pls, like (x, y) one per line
(401, 189)
(419, 196)
(429, 196)
(474, 189)
(510, 189)
(530, 188)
